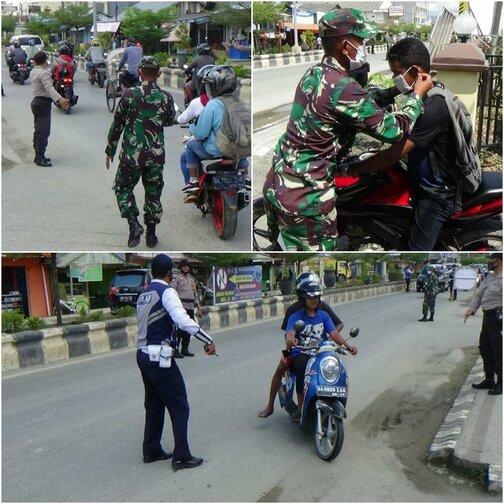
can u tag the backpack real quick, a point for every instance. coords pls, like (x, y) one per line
(466, 171)
(234, 137)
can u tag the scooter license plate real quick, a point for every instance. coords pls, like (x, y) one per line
(329, 391)
(228, 181)
(126, 298)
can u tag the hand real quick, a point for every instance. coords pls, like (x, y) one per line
(108, 160)
(290, 340)
(65, 104)
(198, 311)
(353, 350)
(468, 313)
(423, 84)
(210, 349)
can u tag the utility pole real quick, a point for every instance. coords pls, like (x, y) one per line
(295, 49)
(494, 31)
(95, 16)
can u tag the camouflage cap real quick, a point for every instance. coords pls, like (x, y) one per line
(345, 22)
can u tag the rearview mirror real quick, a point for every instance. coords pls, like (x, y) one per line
(299, 325)
(354, 332)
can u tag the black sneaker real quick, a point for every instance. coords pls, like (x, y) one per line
(161, 456)
(177, 355)
(422, 320)
(191, 188)
(42, 162)
(186, 353)
(485, 384)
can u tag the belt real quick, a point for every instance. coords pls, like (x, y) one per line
(187, 300)
(43, 98)
(493, 310)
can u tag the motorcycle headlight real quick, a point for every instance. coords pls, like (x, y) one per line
(330, 368)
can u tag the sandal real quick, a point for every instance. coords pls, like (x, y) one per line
(265, 413)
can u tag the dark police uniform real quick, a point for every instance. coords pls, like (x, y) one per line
(159, 311)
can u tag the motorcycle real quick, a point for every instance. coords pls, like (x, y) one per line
(20, 72)
(98, 74)
(64, 86)
(325, 395)
(375, 212)
(222, 192)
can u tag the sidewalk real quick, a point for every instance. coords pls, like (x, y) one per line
(471, 435)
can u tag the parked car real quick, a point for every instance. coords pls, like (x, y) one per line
(441, 271)
(126, 286)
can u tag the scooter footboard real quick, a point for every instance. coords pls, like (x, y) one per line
(332, 407)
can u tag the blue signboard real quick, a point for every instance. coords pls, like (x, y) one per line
(237, 284)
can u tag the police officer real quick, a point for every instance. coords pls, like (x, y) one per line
(489, 297)
(430, 292)
(328, 109)
(142, 113)
(158, 310)
(43, 96)
(185, 285)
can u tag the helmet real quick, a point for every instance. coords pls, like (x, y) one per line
(309, 288)
(341, 22)
(203, 49)
(306, 276)
(95, 42)
(64, 49)
(202, 72)
(149, 63)
(16, 43)
(131, 41)
(183, 262)
(220, 80)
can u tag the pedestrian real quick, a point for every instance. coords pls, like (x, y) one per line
(159, 310)
(142, 113)
(453, 292)
(489, 297)
(329, 109)
(43, 96)
(407, 277)
(185, 285)
(430, 292)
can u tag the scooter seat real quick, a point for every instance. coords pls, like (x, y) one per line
(491, 184)
(222, 164)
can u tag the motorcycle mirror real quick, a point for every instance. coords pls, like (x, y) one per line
(299, 325)
(354, 332)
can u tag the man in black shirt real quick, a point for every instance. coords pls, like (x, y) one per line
(429, 147)
(284, 363)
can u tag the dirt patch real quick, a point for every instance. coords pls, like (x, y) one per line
(408, 420)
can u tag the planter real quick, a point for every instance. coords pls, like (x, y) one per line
(330, 278)
(286, 285)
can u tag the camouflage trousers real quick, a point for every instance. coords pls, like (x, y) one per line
(301, 232)
(429, 304)
(127, 177)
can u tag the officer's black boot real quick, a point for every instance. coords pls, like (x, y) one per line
(136, 231)
(487, 383)
(150, 237)
(423, 319)
(431, 318)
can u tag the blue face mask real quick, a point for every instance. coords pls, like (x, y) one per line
(360, 57)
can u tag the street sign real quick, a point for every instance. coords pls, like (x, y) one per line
(465, 279)
(237, 284)
(396, 10)
(87, 272)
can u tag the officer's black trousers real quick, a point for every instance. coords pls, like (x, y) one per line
(490, 343)
(41, 108)
(164, 388)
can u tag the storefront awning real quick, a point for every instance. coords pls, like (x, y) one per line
(107, 27)
(64, 260)
(198, 18)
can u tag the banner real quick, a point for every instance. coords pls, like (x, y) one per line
(237, 284)
(87, 272)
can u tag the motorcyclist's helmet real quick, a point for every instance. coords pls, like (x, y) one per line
(16, 43)
(149, 63)
(220, 80)
(309, 276)
(132, 41)
(309, 288)
(95, 42)
(203, 49)
(64, 49)
(202, 72)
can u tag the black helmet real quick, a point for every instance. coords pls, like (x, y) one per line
(307, 276)
(309, 288)
(64, 49)
(200, 86)
(131, 41)
(220, 80)
(203, 49)
(16, 43)
(149, 63)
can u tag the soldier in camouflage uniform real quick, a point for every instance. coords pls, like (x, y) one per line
(142, 113)
(329, 108)
(430, 292)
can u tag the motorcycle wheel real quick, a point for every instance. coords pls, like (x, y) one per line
(329, 442)
(225, 218)
(101, 80)
(261, 235)
(21, 81)
(488, 241)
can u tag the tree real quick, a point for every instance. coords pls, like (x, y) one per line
(233, 14)
(265, 13)
(44, 24)
(73, 15)
(8, 24)
(217, 259)
(147, 26)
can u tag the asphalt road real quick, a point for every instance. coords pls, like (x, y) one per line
(71, 206)
(72, 431)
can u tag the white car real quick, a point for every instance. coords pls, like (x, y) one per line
(29, 43)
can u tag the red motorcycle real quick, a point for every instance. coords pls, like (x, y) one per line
(64, 86)
(375, 213)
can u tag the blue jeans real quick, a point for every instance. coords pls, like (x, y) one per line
(195, 153)
(89, 66)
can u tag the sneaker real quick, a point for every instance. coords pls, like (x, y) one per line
(191, 188)
(42, 162)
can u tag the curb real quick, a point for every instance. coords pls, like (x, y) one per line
(445, 441)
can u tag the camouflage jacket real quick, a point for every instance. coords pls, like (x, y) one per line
(142, 113)
(431, 285)
(329, 108)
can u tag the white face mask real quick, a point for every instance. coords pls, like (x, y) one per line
(402, 85)
(360, 57)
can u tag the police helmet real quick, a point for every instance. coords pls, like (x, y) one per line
(220, 80)
(203, 49)
(202, 72)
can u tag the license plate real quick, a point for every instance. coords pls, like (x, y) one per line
(228, 181)
(329, 391)
(126, 298)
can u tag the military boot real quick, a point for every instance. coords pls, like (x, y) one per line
(150, 237)
(136, 230)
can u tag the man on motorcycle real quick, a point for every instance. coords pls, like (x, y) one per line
(219, 81)
(429, 147)
(64, 64)
(317, 325)
(203, 59)
(94, 56)
(285, 361)
(16, 55)
(329, 108)
(132, 56)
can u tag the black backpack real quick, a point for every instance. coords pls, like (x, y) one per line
(466, 171)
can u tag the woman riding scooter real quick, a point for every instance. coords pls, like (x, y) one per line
(317, 324)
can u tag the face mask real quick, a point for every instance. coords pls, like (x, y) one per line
(402, 85)
(360, 57)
